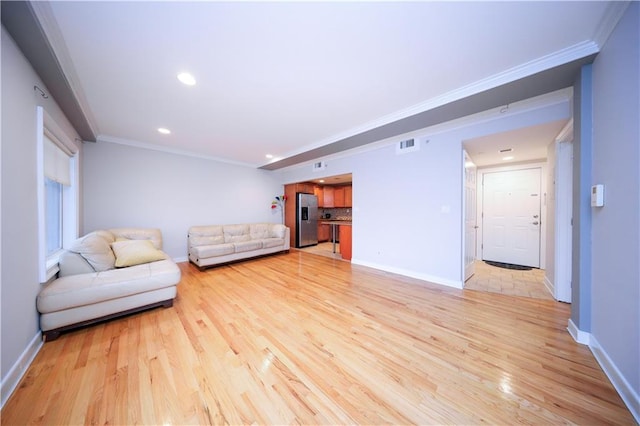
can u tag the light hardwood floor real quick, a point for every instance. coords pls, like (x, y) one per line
(301, 338)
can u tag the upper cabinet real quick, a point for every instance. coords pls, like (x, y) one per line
(305, 187)
(319, 192)
(348, 195)
(334, 196)
(328, 196)
(338, 197)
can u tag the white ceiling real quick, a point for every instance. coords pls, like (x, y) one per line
(526, 144)
(281, 78)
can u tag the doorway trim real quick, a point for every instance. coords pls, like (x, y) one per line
(543, 202)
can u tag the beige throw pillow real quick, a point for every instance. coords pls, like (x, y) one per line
(94, 247)
(135, 252)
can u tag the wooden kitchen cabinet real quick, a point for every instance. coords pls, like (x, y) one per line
(304, 187)
(290, 212)
(348, 195)
(324, 233)
(345, 241)
(338, 197)
(318, 190)
(327, 193)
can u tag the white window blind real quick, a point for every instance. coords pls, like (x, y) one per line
(57, 191)
(56, 163)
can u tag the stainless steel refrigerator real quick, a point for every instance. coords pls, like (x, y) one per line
(306, 220)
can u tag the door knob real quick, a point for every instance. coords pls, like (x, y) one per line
(535, 216)
(535, 223)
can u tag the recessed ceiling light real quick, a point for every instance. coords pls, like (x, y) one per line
(269, 156)
(164, 131)
(321, 180)
(187, 78)
(507, 158)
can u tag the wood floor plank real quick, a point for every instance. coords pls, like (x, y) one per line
(303, 339)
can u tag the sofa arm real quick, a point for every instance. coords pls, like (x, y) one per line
(287, 238)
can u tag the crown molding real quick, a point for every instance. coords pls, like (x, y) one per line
(20, 20)
(165, 149)
(566, 134)
(515, 109)
(612, 15)
(528, 69)
(44, 14)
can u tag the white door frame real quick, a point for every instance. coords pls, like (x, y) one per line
(561, 286)
(465, 230)
(543, 203)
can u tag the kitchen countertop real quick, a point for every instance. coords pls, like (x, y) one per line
(336, 222)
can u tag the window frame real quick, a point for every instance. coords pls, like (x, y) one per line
(46, 126)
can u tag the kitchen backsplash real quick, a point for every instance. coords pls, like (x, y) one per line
(336, 213)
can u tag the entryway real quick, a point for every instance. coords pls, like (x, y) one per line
(508, 281)
(537, 189)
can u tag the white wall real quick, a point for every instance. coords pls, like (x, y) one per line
(615, 281)
(407, 209)
(20, 284)
(129, 186)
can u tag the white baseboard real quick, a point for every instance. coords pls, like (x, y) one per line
(550, 287)
(626, 392)
(180, 259)
(578, 335)
(409, 273)
(13, 377)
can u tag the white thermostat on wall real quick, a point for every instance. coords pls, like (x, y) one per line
(597, 196)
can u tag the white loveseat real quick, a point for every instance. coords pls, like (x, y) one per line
(216, 244)
(107, 274)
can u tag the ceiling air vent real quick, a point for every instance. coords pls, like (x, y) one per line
(407, 145)
(320, 165)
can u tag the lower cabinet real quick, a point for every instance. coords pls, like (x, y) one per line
(324, 233)
(345, 242)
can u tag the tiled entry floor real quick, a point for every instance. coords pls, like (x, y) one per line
(324, 249)
(508, 281)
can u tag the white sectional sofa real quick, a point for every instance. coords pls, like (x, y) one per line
(217, 244)
(107, 274)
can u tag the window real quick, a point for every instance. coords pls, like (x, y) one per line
(57, 193)
(53, 215)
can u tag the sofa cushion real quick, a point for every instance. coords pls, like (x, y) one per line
(205, 235)
(272, 242)
(242, 246)
(236, 233)
(96, 249)
(213, 250)
(206, 241)
(277, 230)
(135, 252)
(86, 289)
(258, 231)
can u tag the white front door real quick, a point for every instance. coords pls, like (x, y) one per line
(470, 225)
(511, 217)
